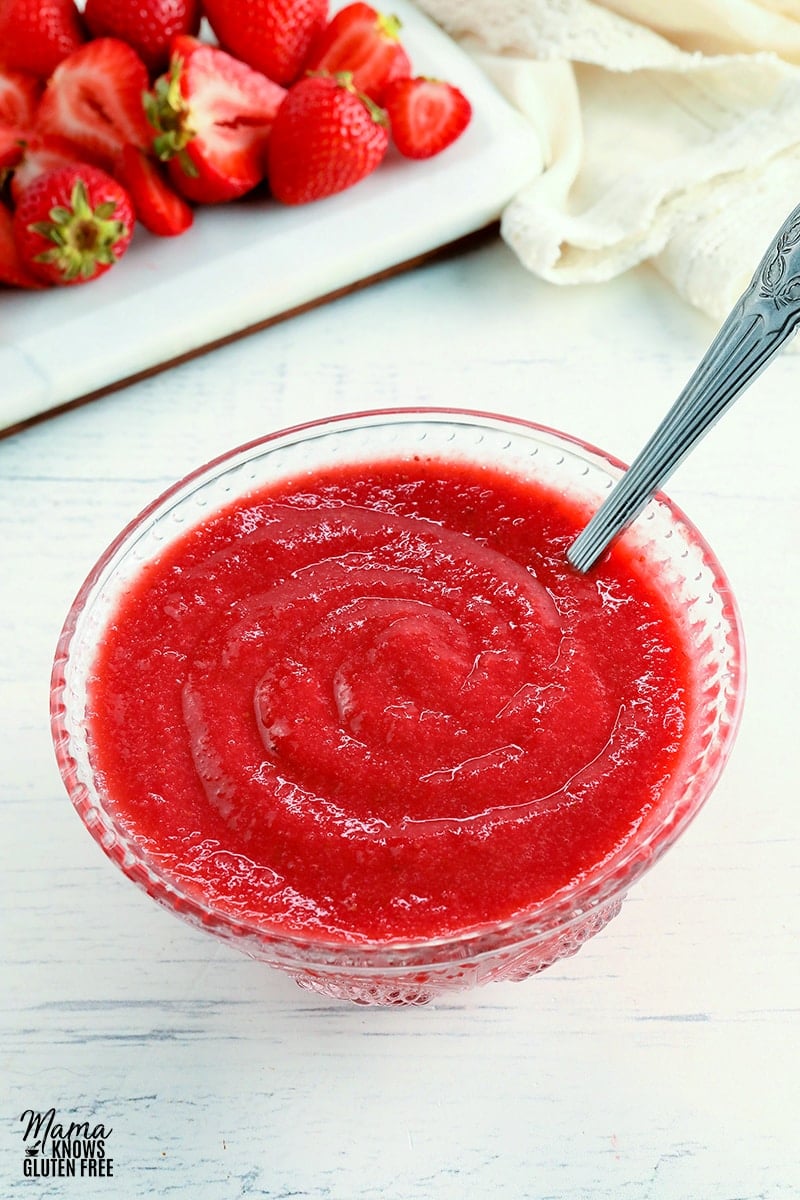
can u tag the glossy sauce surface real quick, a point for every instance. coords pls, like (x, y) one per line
(378, 703)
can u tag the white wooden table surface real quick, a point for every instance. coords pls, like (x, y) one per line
(661, 1063)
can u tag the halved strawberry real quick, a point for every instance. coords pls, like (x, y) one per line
(426, 115)
(365, 42)
(12, 270)
(213, 116)
(72, 224)
(159, 208)
(41, 153)
(35, 35)
(94, 98)
(19, 95)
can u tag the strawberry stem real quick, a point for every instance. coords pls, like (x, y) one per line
(375, 111)
(170, 116)
(345, 80)
(389, 26)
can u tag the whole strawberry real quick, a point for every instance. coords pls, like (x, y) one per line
(327, 136)
(149, 25)
(36, 34)
(72, 224)
(274, 36)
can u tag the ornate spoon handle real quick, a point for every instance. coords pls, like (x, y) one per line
(760, 322)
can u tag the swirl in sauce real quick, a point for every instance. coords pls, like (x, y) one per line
(378, 703)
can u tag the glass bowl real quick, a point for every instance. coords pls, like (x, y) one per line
(415, 971)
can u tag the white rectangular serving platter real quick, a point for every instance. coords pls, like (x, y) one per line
(243, 264)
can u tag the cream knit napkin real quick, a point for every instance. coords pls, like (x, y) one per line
(670, 131)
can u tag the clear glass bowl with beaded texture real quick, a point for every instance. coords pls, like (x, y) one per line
(414, 971)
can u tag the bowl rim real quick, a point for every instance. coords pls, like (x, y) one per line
(605, 883)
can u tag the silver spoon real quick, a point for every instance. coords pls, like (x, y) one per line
(761, 321)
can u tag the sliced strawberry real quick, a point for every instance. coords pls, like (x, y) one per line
(213, 116)
(272, 36)
(40, 154)
(159, 208)
(12, 270)
(19, 95)
(365, 42)
(426, 115)
(94, 98)
(72, 224)
(35, 35)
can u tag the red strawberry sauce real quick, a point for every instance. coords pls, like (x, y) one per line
(376, 703)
